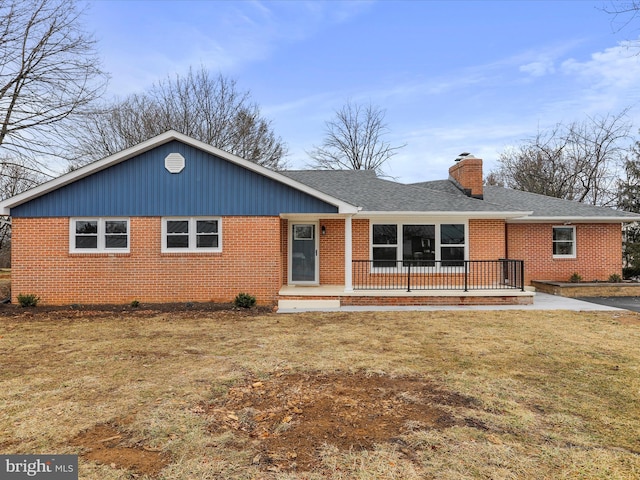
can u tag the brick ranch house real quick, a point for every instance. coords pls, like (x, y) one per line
(176, 220)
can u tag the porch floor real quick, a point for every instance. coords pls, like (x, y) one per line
(333, 296)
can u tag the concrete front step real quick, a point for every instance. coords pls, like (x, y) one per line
(306, 304)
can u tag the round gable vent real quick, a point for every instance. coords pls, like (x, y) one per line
(174, 162)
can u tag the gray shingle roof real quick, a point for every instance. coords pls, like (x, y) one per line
(364, 189)
(541, 205)
(544, 206)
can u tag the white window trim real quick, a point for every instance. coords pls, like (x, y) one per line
(101, 248)
(419, 221)
(574, 241)
(192, 235)
(373, 246)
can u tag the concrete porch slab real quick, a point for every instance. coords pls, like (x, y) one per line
(321, 297)
(542, 301)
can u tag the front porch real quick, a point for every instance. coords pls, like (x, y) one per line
(321, 271)
(335, 296)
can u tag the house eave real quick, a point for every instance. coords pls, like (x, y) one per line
(447, 214)
(99, 165)
(558, 219)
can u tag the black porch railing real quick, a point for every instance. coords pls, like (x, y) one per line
(462, 275)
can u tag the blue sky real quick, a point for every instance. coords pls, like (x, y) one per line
(453, 76)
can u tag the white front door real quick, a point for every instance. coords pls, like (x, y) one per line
(303, 258)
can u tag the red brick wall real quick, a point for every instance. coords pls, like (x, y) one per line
(361, 247)
(332, 252)
(360, 237)
(486, 239)
(598, 251)
(414, 300)
(250, 262)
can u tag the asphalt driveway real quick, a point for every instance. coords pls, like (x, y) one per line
(628, 303)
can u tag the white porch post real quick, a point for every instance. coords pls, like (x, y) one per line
(348, 255)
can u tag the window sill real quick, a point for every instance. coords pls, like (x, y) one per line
(100, 253)
(170, 253)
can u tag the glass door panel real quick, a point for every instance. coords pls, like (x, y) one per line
(303, 253)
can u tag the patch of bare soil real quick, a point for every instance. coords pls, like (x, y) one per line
(627, 318)
(290, 417)
(66, 312)
(105, 444)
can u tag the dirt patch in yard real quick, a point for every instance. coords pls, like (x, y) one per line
(106, 444)
(186, 310)
(290, 418)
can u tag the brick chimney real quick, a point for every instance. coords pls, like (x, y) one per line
(467, 173)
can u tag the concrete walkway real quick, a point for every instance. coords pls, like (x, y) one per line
(541, 301)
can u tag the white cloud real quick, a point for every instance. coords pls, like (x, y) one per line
(615, 67)
(539, 68)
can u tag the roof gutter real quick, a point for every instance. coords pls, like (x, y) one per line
(612, 219)
(460, 214)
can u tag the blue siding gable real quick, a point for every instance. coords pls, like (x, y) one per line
(141, 186)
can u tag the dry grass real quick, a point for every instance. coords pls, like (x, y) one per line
(548, 395)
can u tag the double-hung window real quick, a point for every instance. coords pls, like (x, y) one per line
(452, 241)
(89, 235)
(385, 245)
(416, 244)
(191, 234)
(564, 242)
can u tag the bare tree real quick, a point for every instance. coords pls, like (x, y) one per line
(15, 178)
(354, 140)
(206, 107)
(49, 74)
(578, 161)
(624, 13)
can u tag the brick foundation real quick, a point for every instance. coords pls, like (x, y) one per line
(421, 300)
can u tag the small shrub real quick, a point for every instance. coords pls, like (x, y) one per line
(575, 278)
(28, 300)
(244, 300)
(135, 304)
(615, 278)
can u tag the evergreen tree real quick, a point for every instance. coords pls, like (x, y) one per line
(629, 200)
